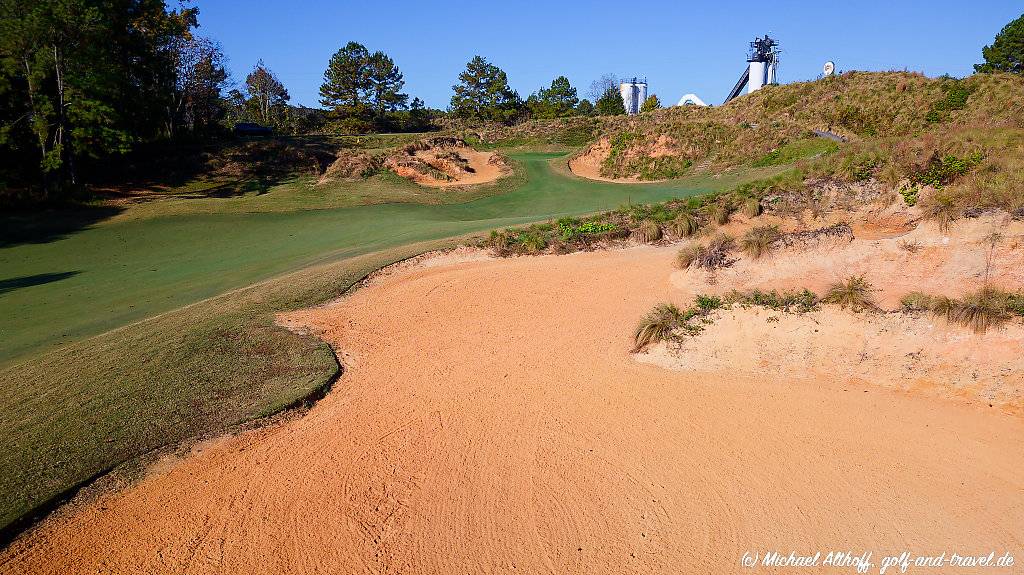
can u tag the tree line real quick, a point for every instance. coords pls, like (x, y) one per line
(83, 82)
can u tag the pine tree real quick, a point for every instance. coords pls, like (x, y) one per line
(1006, 54)
(611, 103)
(558, 101)
(347, 81)
(483, 93)
(384, 83)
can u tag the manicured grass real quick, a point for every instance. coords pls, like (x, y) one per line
(111, 274)
(86, 389)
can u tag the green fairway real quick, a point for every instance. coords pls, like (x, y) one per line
(80, 399)
(115, 273)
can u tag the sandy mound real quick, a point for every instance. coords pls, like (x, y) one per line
(443, 162)
(491, 419)
(588, 164)
(906, 352)
(922, 259)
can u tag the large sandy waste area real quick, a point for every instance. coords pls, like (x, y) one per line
(492, 420)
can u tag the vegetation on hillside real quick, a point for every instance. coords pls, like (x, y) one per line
(1006, 53)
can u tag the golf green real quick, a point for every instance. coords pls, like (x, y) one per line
(113, 273)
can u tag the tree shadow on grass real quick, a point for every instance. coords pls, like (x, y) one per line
(44, 226)
(11, 284)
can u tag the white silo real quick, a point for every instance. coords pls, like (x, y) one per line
(756, 77)
(628, 92)
(641, 95)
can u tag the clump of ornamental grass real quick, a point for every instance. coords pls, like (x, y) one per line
(855, 292)
(942, 306)
(719, 213)
(981, 310)
(752, 208)
(684, 225)
(714, 254)
(758, 240)
(916, 301)
(657, 325)
(942, 210)
(646, 232)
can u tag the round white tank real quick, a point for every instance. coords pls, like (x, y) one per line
(757, 76)
(641, 96)
(628, 92)
(770, 75)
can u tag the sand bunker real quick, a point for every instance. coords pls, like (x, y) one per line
(492, 419)
(444, 162)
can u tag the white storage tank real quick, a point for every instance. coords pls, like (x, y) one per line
(641, 95)
(628, 91)
(756, 79)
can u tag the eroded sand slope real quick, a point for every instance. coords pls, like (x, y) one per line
(492, 420)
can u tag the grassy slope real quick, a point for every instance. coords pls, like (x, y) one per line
(78, 410)
(898, 124)
(116, 273)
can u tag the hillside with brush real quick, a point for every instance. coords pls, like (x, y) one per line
(961, 141)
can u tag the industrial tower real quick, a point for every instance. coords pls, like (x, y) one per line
(762, 61)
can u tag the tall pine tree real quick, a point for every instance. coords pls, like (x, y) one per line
(483, 93)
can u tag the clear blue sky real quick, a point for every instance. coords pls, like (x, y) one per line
(680, 47)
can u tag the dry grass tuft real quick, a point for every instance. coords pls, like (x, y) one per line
(981, 310)
(942, 306)
(647, 232)
(715, 254)
(916, 301)
(752, 208)
(942, 210)
(657, 325)
(684, 225)
(758, 240)
(720, 213)
(855, 293)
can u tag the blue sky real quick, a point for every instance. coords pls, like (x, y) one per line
(680, 47)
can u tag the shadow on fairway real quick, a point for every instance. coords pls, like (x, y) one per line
(11, 284)
(40, 227)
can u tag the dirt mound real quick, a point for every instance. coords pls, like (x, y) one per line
(591, 162)
(588, 163)
(491, 419)
(447, 161)
(352, 165)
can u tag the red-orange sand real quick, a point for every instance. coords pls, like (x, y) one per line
(491, 420)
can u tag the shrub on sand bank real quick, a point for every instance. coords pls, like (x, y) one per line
(855, 292)
(714, 254)
(647, 232)
(980, 310)
(684, 225)
(758, 240)
(657, 325)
